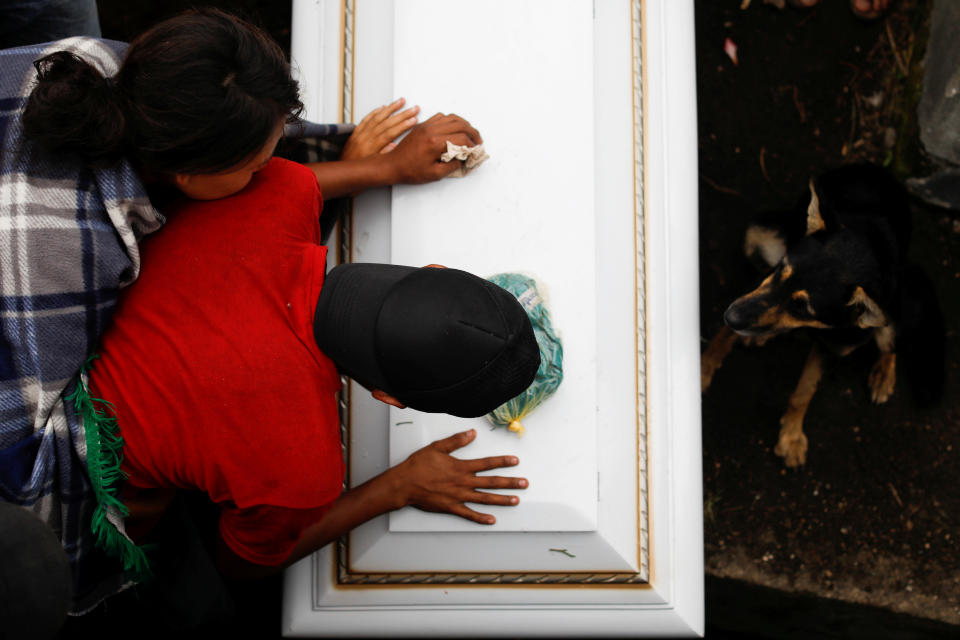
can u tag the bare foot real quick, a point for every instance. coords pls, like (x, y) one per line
(863, 9)
(869, 9)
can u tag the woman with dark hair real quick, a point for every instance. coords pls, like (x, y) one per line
(199, 96)
(95, 137)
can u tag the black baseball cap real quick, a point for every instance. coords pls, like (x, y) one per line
(439, 340)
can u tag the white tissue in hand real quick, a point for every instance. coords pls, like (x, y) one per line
(471, 157)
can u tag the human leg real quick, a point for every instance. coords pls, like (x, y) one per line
(24, 22)
(869, 9)
(863, 9)
(34, 576)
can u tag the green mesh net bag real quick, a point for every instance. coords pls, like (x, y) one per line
(550, 373)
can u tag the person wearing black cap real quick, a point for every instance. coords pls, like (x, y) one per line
(435, 339)
(223, 362)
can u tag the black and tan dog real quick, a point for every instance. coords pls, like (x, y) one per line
(839, 268)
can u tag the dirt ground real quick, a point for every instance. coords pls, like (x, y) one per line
(872, 517)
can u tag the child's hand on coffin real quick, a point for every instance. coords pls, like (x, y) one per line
(433, 480)
(378, 130)
(417, 157)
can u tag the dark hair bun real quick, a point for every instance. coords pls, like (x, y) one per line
(75, 111)
(199, 93)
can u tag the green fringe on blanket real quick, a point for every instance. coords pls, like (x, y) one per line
(104, 455)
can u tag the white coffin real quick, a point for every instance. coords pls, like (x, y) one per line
(591, 189)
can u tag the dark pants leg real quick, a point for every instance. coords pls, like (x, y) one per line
(186, 593)
(34, 576)
(24, 22)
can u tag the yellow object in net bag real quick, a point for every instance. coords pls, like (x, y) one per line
(550, 373)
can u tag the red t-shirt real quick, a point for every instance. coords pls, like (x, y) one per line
(211, 363)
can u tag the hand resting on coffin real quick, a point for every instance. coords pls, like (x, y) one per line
(379, 129)
(371, 161)
(430, 479)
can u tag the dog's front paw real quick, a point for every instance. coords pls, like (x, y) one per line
(792, 445)
(883, 378)
(713, 357)
(708, 367)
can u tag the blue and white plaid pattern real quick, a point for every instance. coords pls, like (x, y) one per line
(68, 243)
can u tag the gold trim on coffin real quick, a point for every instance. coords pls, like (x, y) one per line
(343, 576)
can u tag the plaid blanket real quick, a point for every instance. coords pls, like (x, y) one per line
(68, 244)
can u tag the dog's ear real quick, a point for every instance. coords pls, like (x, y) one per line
(868, 313)
(814, 219)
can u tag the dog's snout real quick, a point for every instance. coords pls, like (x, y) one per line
(735, 318)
